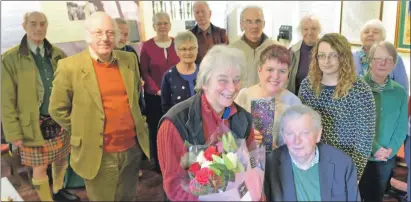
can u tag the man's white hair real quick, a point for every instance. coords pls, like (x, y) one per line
(297, 111)
(89, 22)
(306, 18)
(251, 7)
(27, 15)
(377, 24)
(201, 2)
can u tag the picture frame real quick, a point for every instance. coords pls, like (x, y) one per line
(402, 29)
(354, 14)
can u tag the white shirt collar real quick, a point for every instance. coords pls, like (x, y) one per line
(313, 162)
(33, 47)
(95, 57)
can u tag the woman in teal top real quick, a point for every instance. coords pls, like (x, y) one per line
(391, 128)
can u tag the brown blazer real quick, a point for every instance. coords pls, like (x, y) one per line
(218, 34)
(75, 104)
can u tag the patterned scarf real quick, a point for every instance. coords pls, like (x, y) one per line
(379, 87)
(364, 61)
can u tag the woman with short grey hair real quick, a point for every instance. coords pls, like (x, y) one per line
(157, 56)
(197, 118)
(372, 32)
(392, 106)
(310, 29)
(178, 83)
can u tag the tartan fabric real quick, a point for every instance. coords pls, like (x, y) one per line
(53, 149)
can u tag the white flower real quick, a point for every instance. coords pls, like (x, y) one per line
(200, 158)
(233, 158)
(206, 164)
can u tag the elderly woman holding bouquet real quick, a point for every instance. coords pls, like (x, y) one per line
(273, 71)
(194, 120)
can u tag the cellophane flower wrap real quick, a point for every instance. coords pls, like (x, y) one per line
(224, 169)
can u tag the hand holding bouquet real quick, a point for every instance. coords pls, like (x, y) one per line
(221, 168)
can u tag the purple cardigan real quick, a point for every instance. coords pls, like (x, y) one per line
(154, 64)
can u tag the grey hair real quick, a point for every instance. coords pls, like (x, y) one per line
(375, 23)
(88, 23)
(387, 46)
(27, 15)
(217, 58)
(120, 21)
(201, 2)
(158, 15)
(251, 7)
(311, 17)
(184, 37)
(298, 111)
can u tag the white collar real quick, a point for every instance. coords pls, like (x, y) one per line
(33, 47)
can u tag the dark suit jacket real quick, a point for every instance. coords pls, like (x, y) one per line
(218, 34)
(338, 176)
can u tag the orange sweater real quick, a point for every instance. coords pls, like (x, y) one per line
(119, 133)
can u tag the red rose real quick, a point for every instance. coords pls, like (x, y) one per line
(208, 154)
(203, 176)
(194, 168)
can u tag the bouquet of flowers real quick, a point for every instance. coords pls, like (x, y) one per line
(224, 169)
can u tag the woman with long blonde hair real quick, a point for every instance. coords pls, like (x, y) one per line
(345, 101)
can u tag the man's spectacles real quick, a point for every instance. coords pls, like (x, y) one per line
(109, 34)
(250, 22)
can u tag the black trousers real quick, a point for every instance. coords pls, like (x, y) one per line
(154, 114)
(375, 179)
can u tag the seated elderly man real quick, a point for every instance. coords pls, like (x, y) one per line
(304, 169)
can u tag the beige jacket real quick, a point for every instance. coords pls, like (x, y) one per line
(22, 93)
(249, 74)
(76, 105)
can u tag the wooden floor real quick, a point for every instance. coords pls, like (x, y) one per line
(149, 188)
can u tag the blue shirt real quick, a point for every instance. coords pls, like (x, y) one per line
(190, 78)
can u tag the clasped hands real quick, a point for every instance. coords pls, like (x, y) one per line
(382, 154)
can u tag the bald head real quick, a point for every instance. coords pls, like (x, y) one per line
(252, 23)
(35, 25)
(202, 14)
(102, 33)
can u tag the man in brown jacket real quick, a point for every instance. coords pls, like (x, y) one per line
(26, 85)
(207, 34)
(95, 96)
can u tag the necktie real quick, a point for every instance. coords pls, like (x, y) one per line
(38, 52)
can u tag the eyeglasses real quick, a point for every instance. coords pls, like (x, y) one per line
(386, 60)
(162, 23)
(191, 49)
(250, 22)
(109, 34)
(331, 56)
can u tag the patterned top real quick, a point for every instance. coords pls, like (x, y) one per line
(349, 122)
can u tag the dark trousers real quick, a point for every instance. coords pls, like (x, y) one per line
(154, 114)
(375, 178)
(407, 159)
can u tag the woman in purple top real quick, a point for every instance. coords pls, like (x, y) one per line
(157, 56)
(373, 31)
(310, 29)
(178, 82)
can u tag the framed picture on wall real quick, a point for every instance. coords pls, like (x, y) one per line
(354, 14)
(402, 31)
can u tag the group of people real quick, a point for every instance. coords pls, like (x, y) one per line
(340, 117)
